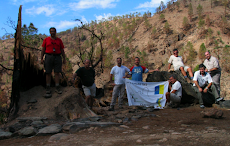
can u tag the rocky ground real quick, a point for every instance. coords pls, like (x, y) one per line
(135, 126)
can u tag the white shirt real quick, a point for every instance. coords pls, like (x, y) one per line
(202, 80)
(176, 61)
(119, 73)
(177, 86)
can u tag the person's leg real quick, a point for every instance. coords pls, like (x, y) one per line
(57, 71)
(87, 94)
(114, 97)
(121, 96)
(174, 98)
(183, 72)
(216, 81)
(199, 95)
(48, 66)
(167, 97)
(190, 72)
(214, 91)
(93, 94)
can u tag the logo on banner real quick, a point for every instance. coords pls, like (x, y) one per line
(159, 89)
(159, 101)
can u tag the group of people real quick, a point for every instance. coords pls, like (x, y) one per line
(205, 80)
(209, 73)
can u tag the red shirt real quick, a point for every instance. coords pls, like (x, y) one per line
(50, 44)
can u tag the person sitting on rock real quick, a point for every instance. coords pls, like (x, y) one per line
(118, 72)
(174, 96)
(203, 84)
(87, 76)
(137, 70)
(178, 64)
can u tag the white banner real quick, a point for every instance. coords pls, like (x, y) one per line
(146, 93)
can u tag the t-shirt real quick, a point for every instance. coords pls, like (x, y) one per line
(50, 44)
(176, 61)
(212, 63)
(137, 71)
(177, 86)
(202, 80)
(119, 73)
(87, 76)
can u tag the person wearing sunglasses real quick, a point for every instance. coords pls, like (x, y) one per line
(178, 64)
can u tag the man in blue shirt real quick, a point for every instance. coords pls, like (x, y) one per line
(137, 70)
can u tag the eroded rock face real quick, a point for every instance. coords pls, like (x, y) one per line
(73, 107)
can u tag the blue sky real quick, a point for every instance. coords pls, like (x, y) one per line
(61, 13)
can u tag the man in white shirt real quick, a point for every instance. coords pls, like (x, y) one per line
(175, 94)
(203, 84)
(178, 64)
(118, 72)
(213, 68)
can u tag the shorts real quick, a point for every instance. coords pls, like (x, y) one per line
(53, 62)
(175, 98)
(91, 90)
(178, 68)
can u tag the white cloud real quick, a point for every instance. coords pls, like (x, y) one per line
(48, 10)
(83, 19)
(100, 17)
(151, 4)
(62, 24)
(85, 4)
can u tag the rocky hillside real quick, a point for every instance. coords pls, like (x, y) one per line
(192, 28)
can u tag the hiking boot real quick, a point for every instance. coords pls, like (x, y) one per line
(48, 90)
(219, 99)
(48, 95)
(111, 108)
(120, 107)
(58, 90)
(202, 106)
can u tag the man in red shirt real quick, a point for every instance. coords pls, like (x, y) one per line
(53, 48)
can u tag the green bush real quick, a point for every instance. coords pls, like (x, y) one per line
(202, 50)
(196, 68)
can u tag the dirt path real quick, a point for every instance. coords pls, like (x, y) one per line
(184, 126)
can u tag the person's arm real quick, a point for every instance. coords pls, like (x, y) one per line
(170, 85)
(151, 71)
(173, 91)
(111, 79)
(63, 55)
(42, 54)
(169, 67)
(207, 87)
(74, 77)
(197, 85)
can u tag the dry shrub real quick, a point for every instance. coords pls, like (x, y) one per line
(3, 99)
(225, 60)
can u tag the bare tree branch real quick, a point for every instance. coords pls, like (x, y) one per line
(100, 40)
(31, 47)
(6, 68)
